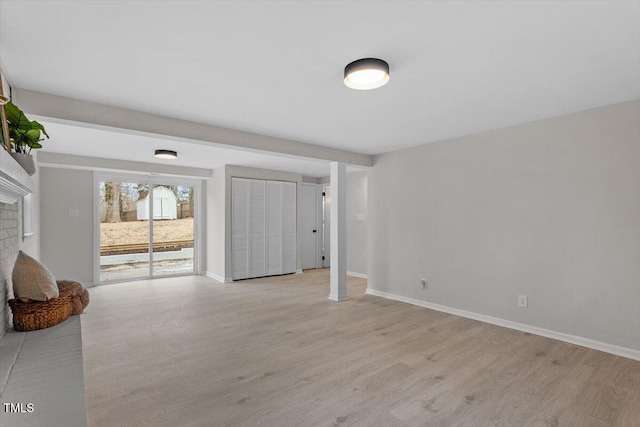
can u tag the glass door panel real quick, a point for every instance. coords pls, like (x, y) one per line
(173, 229)
(124, 231)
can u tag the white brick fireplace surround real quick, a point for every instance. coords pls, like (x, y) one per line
(44, 368)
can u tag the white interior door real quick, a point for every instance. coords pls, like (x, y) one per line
(326, 228)
(309, 226)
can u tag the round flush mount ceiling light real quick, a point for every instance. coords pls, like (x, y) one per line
(166, 154)
(366, 74)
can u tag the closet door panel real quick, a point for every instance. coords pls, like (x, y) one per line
(240, 201)
(274, 227)
(289, 227)
(257, 240)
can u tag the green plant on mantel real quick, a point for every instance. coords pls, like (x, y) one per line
(24, 134)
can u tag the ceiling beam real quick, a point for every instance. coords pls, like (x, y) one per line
(48, 159)
(93, 115)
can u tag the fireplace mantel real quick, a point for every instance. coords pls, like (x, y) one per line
(14, 181)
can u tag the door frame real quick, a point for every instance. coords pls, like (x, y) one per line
(325, 223)
(198, 208)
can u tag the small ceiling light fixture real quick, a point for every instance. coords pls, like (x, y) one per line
(366, 74)
(166, 154)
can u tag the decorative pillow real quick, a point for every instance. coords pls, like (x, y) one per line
(32, 280)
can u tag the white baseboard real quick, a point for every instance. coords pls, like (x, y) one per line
(584, 342)
(89, 285)
(360, 275)
(299, 272)
(218, 277)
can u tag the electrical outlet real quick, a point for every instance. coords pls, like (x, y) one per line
(523, 301)
(423, 282)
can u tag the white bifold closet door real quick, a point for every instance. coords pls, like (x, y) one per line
(289, 227)
(257, 237)
(240, 202)
(264, 241)
(274, 227)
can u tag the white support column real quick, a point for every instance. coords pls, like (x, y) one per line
(338, 232)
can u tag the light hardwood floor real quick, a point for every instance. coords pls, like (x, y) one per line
(275, 352)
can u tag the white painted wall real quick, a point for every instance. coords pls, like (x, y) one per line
(548, 209)
(31, 244)
(66, 243)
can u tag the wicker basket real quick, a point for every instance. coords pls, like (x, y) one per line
(29, 316)
(77, 295)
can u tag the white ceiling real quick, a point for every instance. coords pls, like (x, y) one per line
(82, 141)
(275, 68)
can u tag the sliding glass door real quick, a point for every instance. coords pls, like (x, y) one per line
(146, 228)
(173, 229)
(124, 240)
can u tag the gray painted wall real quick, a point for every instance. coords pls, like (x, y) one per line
(66, 243)
(215, 223)
(548, 209)
(357, 230)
